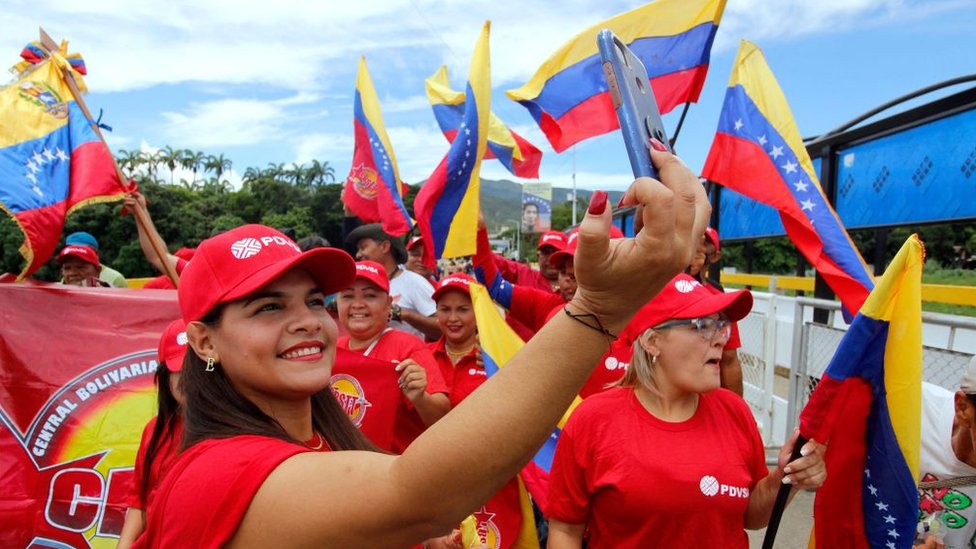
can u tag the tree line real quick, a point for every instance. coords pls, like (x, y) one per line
(307, 199)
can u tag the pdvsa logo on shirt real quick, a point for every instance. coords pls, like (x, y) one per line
(710, 486)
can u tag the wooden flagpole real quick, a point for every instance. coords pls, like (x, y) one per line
(140, 213)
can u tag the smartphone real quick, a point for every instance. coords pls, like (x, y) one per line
(633, 100)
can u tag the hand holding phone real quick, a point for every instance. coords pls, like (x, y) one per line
(633, 101)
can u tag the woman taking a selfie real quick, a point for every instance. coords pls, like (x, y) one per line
(271, 459)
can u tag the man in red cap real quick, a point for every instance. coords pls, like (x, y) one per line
(705, 256)
(415, 260)
(80, 266)
(543, 278)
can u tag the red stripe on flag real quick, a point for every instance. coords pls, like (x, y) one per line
(423, 207)
(93, 173)
(838, 504)
(531, 158)
(596, 116)
(752, 164)
(42, 227)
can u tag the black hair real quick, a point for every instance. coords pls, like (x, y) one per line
(167, 417)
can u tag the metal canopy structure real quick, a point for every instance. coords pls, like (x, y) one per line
(915, 167)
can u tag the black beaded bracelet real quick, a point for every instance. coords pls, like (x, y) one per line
(598, 326)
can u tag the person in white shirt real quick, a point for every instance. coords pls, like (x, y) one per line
(947, 466)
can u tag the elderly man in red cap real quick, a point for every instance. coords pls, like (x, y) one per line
(80, 266)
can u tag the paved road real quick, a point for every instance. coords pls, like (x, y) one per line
(794, 529)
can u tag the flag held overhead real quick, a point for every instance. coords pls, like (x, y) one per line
(373, 190)
(447, 204)
(568, 95)
(759, 153)
(52, 161)
(517, 154)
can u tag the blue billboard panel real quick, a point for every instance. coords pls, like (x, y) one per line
(923, 174)
(740, 217)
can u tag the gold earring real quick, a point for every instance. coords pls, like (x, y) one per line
(653, 359)
(210, 364)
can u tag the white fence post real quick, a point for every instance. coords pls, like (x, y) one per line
(769, 362)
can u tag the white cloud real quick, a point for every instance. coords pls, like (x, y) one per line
(229, 122)
(391, 104)
(296, 45)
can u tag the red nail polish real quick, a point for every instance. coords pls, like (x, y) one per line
(620, 202)
(657, 145)
(598, 202)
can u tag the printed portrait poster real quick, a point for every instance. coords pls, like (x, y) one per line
(536, 207)
(76, 390)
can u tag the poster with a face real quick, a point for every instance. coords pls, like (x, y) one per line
(536, 207)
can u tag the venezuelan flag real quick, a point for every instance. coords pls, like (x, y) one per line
(867, 408)
(759, 153)
(498, 345)
(568, 94)
(516, 153)
(51, 159)
(373, 190)
(448, 203)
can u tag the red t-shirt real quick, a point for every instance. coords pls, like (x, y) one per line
(397, 346)
(639, 482)
(461, 378)
(203, 499)
(162, 462)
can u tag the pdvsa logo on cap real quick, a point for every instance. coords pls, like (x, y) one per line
(369, 268)
(245, 248)
(454, 280)
(250, 247)
(686, 286)
(181, 338)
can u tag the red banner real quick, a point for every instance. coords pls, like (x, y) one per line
(367, 390)
(76, 389)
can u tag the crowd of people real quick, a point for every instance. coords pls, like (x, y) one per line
(662, 451)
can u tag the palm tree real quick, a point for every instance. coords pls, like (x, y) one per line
(328, 173)
(297, 174)
(151, 161)
(218, 164)
(275, 170)
(171, 157)
(320, 173)
(192, 160)
(129, 161)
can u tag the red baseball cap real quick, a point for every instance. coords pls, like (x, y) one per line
(236, 263)
(374, 273)
(84, 253)
(172, 345)
(460, 282)
(558, 258)
(712, 236)
(684, 298)
(414, 242)
(556, 239)
(185, 253)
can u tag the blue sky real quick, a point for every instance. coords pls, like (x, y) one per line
(272, 82)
